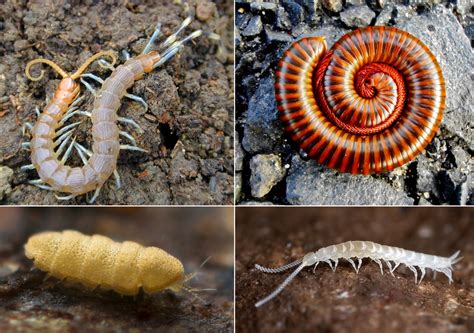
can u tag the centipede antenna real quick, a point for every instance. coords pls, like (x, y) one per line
(152, 39)
(279, 269)
(280, 287)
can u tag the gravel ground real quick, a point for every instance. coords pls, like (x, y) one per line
(188, 128)
(29, 302)
(271, 169)
(343, 301)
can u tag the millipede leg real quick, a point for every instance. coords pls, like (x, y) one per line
(27, 167)
(131, 122)
(128, 147)
(359, 263)
(118, 184)
(329, 262)
(128, 136)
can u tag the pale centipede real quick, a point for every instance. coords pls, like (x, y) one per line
(97, 261)
(368, 105)
(365, 249)
(102, 162)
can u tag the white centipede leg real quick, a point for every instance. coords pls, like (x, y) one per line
(128, 136)
(65, 198)
(380, 264)
(84, 149)
(315, 265)
(72, 114)
(27, 167)
(172, 38)
(88, 86)
(37, 111)
(76, 101)
(353, 265)
(25, 145)
(96, 194)
(395, 267)
(26, 126)
(81, 154)
(335, 264)
(423, 271)
(128, 147)
(359, 264)
(118, 184)
(126, 55)
(389, 265)
(413, 269)
(131, 122)
(68, 151)
(68, 127)
(63, 145)
(329, 262)
(70, 110)
(39, 183)
(62, 138)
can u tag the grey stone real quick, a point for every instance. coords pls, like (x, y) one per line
(311, 184)
(426, 181)
(403, 13)
(441, 32)
(254, 27)
(258, 7)
(277, 37)
(267, 171)
(295, 12)
(357, 16)
(6, 176)
(238, 187)
(241, 20)
(385, 16)
(464, 7)
(329, 32)
(283, 21)
(355, 2)
(426, 3)
(256, 203)
(262, 130)
(334, 6)
(239, 153)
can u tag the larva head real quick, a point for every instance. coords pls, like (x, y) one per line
(159, 271)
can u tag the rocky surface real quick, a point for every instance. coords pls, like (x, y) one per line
(343, 301)
(267, 171)
(29, 302)
(188, 128)
(440, 175)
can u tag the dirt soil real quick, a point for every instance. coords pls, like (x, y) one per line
(344, 301)
(188, 128)
(28, 302)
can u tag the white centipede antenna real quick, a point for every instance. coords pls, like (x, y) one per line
(283, 285)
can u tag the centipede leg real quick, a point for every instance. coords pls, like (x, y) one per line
(72, 114)
(99, 80)
(315, 265)
(88, 87)
(81, 154)
(28, 126)
(126, 55)
(25, 145)
(118, 184)
(37, 111)
(380, 264)
(65, 198)
(63, 145)
(423, 271)
(27, 167)
(131, 122)
(128, 147)
(413, 269)
(68, 127)
(389, 265)
(128, 136)
(39, 183)
(68, 151)
(96, 194)
(84, 149)
(62, 138)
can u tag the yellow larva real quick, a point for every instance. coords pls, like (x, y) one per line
(98, 261)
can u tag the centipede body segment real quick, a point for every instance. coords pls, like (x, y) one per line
(368, 105)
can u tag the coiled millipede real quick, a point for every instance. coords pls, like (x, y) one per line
(50, 136)
(368, 105)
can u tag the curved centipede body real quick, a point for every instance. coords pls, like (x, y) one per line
(96, 260)
(45, 145)
(392, 256)
(368, 105)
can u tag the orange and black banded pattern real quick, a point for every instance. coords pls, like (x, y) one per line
(368, 105)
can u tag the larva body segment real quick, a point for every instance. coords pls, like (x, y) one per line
(392, 256)
(97, 261)
(368, 105)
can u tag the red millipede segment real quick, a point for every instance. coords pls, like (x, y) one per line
(368, 105)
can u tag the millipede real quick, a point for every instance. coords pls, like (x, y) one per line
(50, 137)
(368, 105)
(97, 261)
(392, 256)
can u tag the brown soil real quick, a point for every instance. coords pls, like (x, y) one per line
(345, 301)
(29, 303)
(188, 129)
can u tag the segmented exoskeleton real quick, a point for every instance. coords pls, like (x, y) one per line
(49, 140)
(364, 249)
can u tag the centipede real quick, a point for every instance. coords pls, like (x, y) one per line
(368, 105)
(50, 138)
(392, 256)
(98, 261)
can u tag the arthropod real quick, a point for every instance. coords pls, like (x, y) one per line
(368, 105)
(392, 256)
(97, 261)
(50, 138)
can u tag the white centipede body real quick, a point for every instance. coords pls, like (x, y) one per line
(392, 256)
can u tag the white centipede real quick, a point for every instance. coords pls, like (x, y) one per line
(365, 249)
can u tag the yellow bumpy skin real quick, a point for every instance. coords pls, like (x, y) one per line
(98, 261)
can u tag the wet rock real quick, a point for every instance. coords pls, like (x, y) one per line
(6, 176)
(267, 171)
(277, 37)
(254, 27)
(385, 16)
(358, 16)
(311, 184)
(334, 6)
(205, 10)
(295, 12)
(442, 33)
(262, 131)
